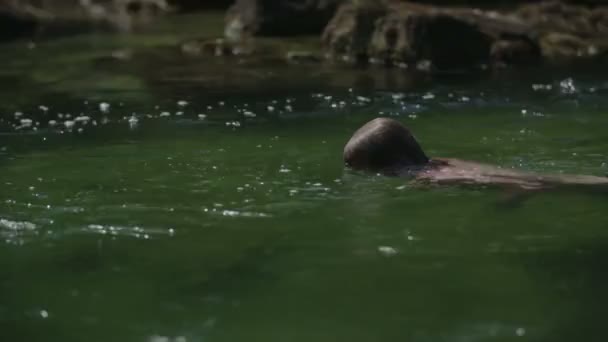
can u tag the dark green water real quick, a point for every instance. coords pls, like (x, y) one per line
(142, 224)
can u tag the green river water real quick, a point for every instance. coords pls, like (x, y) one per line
(209, 202)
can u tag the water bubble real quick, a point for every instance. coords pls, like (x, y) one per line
(270, 108)
(520, 332)
(182, 103)
(164, 114)
(133, 122)
(82, 119)
(26, 122)
(202, 116)
(44, 314)
(16, 225)
(69, 124)
(104, 107)
(567, 86)
(539, 87)
(249, 114)
(387, 250)
(428, 96)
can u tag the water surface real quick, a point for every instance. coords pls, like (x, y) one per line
(144, 201)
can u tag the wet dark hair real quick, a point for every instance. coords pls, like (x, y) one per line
(383, 145)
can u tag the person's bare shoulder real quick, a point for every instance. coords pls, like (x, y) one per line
(456, 171)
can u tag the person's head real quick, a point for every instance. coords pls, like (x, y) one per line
(383, 145)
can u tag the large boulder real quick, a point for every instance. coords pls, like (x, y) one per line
(402, 33)
(399, 33)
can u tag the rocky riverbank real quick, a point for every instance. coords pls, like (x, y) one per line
(420, 35)
(429, 37)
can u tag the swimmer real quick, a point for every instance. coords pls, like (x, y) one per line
(386, 146)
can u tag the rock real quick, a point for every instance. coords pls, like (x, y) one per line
(515, 52)
(565, 48)
(277, 18)
(58, 17)
(556, 16)
(402, 33)
(398, 33)
(567, 33)
(350, 31)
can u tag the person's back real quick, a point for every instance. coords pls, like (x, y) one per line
(386, 146)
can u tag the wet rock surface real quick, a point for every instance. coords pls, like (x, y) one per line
(567, 32)
(278, 18)
(405, 34)
(428, 37)
(60, 17)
